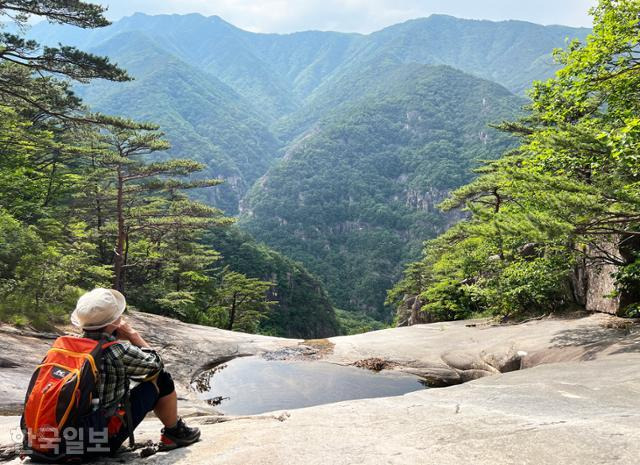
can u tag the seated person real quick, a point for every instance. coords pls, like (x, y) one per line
(99, 315)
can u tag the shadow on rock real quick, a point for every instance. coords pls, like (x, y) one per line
(594, 340)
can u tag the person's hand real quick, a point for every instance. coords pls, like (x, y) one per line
(125, 330)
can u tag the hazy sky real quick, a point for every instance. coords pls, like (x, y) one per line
(356, 15)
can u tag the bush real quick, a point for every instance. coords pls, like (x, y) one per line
(524, 286)
(39, 279)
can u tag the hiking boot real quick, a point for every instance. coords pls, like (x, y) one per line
(179, 436)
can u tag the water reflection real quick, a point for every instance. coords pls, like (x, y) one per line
(252, 385)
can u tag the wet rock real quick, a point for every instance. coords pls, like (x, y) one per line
(373, 364)
(443, 354)
(300, 352)
(7, 363)
(578, 403)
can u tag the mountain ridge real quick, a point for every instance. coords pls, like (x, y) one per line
(165, 25)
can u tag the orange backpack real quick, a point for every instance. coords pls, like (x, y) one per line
(60, 398)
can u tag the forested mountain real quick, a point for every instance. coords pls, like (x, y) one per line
(554, 223)
(203, 118)
(89, 199)
(279, 71)
(217, 89)
(511, 53)
(373, 129)
(355, 199)
(273, 71)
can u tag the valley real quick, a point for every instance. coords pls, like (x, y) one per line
(335, 148)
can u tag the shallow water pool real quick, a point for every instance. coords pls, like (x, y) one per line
(252, 385)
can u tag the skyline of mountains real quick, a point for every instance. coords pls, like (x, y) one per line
(235, 100)
(291, 66)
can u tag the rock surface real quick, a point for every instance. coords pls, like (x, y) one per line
(580, 403)
(569, 413)
(594, 282)
(601, 295)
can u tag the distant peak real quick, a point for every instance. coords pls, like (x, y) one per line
(175, 18)
(441, 16)
(438, 19)
(139, 14)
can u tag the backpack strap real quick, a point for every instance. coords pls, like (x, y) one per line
(129, 415)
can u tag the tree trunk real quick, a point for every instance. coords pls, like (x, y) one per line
(232, 312)
(119, 252)
(125, 259)
(52, 175)
(104, 259)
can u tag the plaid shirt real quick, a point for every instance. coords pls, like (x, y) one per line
(120, 363)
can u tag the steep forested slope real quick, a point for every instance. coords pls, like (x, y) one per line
(216, 89)
(303, 308)
(511, 53)
(355, 199)
(272, 71)
(203, 118)
(556, 222)
(285, 73)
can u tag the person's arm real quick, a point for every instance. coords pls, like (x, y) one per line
(125, 331)
(139, 359)
(140, 362)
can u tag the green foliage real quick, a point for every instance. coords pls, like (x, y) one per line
(628, 282)
(77, 13)
(571, 187)
(84, 204)
(204, 119)
(238, 302)
(27, 68)
(45, 250)
(357, 323)
(523, 285)
(303, 308)
(223, 103)
(352, 200)
(37, 273)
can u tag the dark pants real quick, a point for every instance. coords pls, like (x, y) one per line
(143, 398)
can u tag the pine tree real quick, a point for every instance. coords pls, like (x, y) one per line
(137, 197)
(570, 188)
(239, 302)
(29, 71)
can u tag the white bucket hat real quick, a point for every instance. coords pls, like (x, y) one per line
(98, 308)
